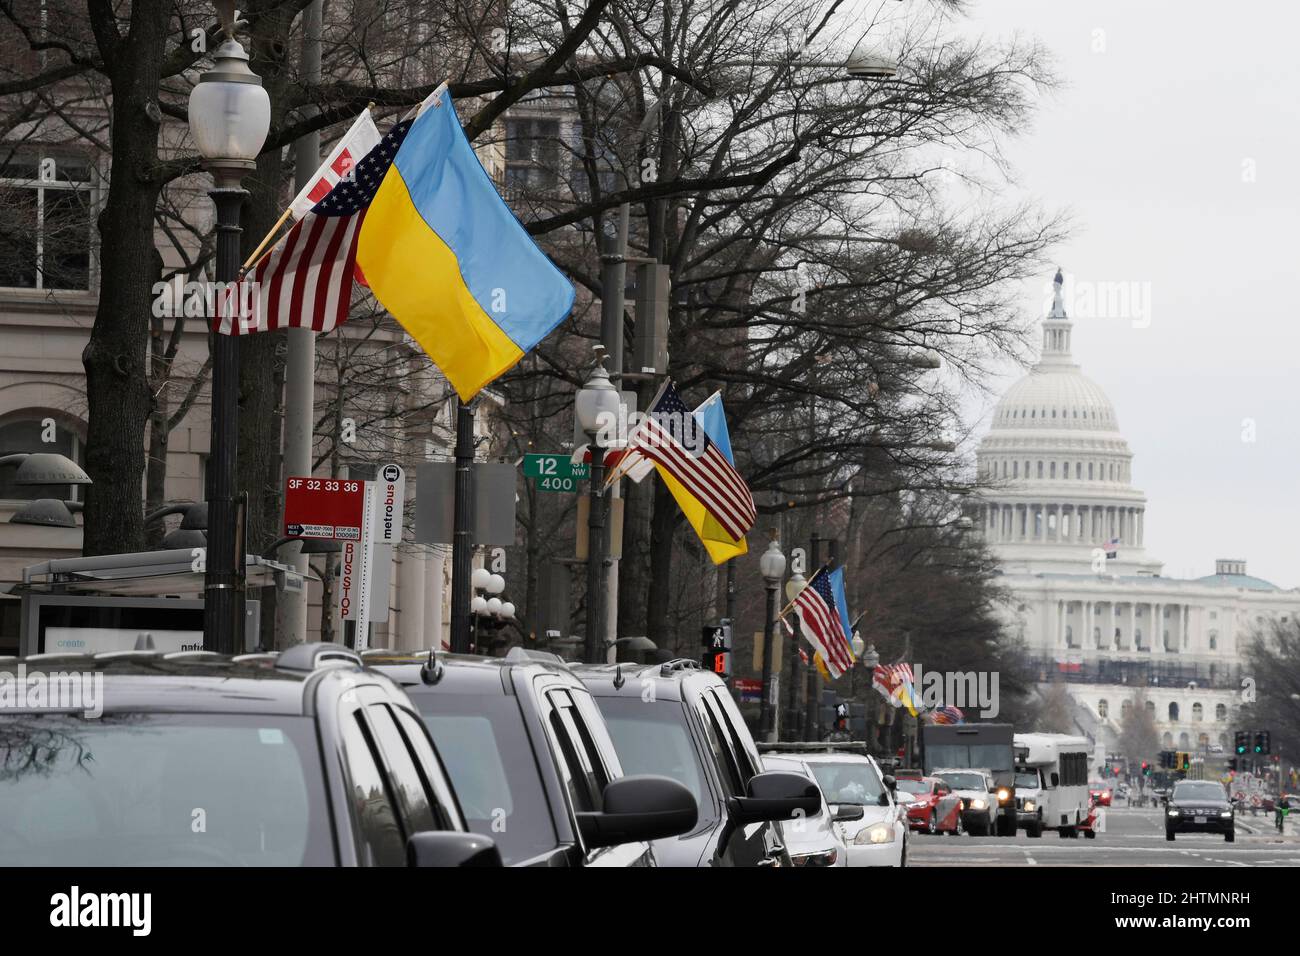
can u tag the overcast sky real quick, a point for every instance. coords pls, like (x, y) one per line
(1175, 144)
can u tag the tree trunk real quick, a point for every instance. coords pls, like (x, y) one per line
(659, 592)
(116, 357)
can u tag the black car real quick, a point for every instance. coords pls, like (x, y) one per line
(678, 720)
(1199, 806)
(141, 758)
(532, 762)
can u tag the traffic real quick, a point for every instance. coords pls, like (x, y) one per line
(323, 756)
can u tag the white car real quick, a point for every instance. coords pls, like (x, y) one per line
(814, 840)
(851, 783)
(978, 804)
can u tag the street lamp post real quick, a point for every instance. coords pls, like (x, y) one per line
(229, 115)
(793, 587)
(870, 659)
(772, 567)
(596, 404)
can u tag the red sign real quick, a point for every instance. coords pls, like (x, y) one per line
(324, 508)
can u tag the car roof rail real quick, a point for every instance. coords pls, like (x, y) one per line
(120, 655)
(519, 654)
(55, 655)
(193, 655)
(256, 656)
(308, 657)
(679, 664)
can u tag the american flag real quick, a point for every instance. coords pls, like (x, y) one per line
(1112, 548)
(356, 143)
(306, 280)
(820, 616)
(947, 715)
(888, 678)
(703, 471)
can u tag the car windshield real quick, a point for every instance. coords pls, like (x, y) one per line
(854, 783)
(1027, 780)
(914, 786)
(1199, 790)
(654, 738)
(484, 746)
(965, 781)
(162, 790)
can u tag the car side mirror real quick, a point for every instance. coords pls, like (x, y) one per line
(1056, 779)
(639, 807)
(849, 811)
(450, 848)
(776, 795)
(890, 782)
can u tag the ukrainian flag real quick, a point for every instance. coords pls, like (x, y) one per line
(448, 259)
(721, 546)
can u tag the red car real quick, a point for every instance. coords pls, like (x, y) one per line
(931, 805)
(1100, 794)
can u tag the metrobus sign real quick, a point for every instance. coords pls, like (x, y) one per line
(331, 508)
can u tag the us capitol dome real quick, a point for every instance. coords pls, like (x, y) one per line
(1060, 513)
(1059, 470)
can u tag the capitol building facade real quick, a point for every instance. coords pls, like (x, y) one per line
(1061, 514)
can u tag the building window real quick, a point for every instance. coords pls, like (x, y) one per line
(1053, 469)
(1214, 640)
(1151, 707)
(1184, 741)
(1198, 713)
(1040, 469)
(1220, 711)
(1173, 711)
(1069, 636)
(1103, 708)
(1167, 741)
(1096, 636)
(1090, 471)
(27, 434)
(1015, 469)
(46, 231)
(532, 152)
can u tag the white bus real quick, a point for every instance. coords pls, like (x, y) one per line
(1060, 764)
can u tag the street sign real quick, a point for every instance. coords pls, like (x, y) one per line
(749, 689)
(391, 490)
(566, 484)
(553, 466)
(324, 508)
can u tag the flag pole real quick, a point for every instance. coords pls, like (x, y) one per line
(278, 223)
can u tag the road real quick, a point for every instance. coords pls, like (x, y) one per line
(1133, 837)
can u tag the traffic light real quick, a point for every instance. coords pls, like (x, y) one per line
(1242, 739)
(1146, 769)
(717, 648)
(1183, 761)
(1261, 742)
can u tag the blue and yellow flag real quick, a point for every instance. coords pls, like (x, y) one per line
(720, 545)
(448, 259)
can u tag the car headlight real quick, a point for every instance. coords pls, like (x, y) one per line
(1173, 812)
(978, 804)
(917, 803)
(1029, 806)
(875, 834)
(1004, 795)
(1225, 813)
(822, 858)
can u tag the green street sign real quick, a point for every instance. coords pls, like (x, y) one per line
(567, 484)
(553, 466)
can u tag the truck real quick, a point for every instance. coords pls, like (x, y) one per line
(1059, 763)
(984, 747)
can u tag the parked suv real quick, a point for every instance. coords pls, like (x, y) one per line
(141, 758)
(532, 762)
(678, 720)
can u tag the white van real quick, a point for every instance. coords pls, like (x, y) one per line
(1060, 762)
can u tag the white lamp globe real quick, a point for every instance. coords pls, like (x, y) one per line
(478, 605)
(230, 112)
(508, 609)
(496, 584)
(494, 606)
(479, 579)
